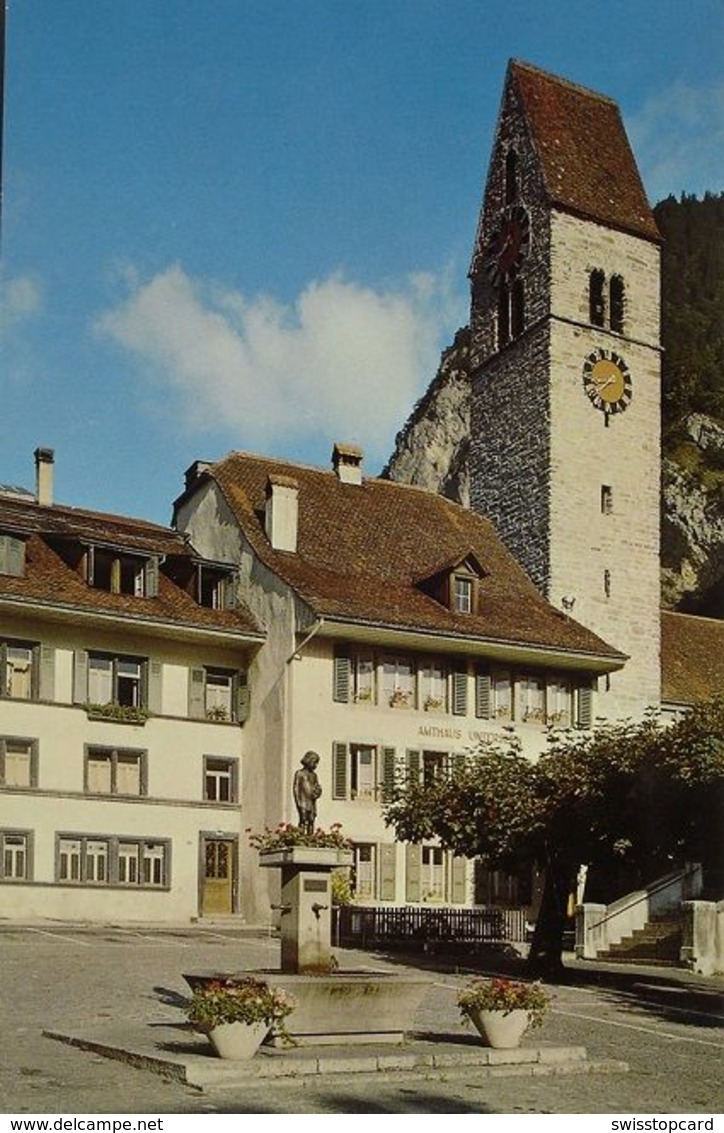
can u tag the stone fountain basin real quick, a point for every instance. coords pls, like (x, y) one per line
(342, 1007)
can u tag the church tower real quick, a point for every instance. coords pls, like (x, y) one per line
(565, 352)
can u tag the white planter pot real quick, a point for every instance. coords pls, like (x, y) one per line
(238, 1041)
(498, 1029)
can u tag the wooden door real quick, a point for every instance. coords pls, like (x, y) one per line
(217, 892)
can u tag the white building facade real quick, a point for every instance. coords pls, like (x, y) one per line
(122, 701)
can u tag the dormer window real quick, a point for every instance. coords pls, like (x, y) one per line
(12, 556)
(119, 573)
(215, 588)
(463, 594)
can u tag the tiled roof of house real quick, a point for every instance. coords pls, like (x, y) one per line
(585, 156)
(365, 550)
(49, 580)
(692, 658)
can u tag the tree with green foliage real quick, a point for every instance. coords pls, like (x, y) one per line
(692, 308)
(633, 797)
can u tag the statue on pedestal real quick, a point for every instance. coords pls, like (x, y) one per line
(307, 790)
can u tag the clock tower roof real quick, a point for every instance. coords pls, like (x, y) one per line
(586, 161)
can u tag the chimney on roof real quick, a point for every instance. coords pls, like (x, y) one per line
(281, 514)
(194, 472)
(44, 462)
(347, 463)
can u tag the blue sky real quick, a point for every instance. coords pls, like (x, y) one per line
(247, 223)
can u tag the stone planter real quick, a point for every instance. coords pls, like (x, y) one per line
(307, 857)
(498, 1029)
(238, 1042)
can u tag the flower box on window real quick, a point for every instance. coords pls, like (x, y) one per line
(400, 699)
(117, 713)
(433, 704)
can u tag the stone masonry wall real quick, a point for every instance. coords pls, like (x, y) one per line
(607, 561)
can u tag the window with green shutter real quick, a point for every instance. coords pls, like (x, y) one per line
(483, 697)
(341, 678)
(339, 771)
(12, 556)
(413, 765)
(460, 693)
(413, 873)
(585, 706)
(387, 773)
(458, 880)
(388, 867)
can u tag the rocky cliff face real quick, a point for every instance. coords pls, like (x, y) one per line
(432, 451)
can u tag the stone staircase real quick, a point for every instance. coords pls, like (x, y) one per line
(658, 942)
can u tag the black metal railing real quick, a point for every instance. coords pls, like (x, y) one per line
(416, 927)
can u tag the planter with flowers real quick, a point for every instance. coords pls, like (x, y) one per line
(287, 845)
(503, 1010)
(237, 1014)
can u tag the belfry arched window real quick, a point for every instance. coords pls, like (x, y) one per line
(616, 303)
(596, 301)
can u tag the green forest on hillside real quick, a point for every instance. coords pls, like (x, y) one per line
(692, 314)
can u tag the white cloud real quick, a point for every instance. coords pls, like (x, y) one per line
(346, 362)
(20, 298)
(678, 139)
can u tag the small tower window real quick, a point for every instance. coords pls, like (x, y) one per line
(607, 583)
(511, 176)
(606, 499)
(596, 302)
(616, 303)
(511, 311)
(517, 309)
(503, 315)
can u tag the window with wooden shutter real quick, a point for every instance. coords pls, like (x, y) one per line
(339, 771)
(243, 696)
(80, 676)
(197, 695)
(150, 580)
(154, 678)
(413, 873)
(12, 556)
(387, 773)
(458, 881)
(388, 866)
(460, 693)
(483, 698)
(413, 763)
(585, 706)
(46, 672)
(341, 678)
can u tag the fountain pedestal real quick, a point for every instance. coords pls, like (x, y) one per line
(306, 904)
(332, 1006)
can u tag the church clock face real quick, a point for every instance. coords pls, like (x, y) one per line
(509, 245)
(607, 381)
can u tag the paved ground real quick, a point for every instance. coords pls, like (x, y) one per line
(667, 1026)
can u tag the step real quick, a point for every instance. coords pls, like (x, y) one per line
(173, 1052)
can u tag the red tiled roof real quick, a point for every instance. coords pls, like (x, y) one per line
(362, 550)
(49, 581)
(586, 160)
(692, 658)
